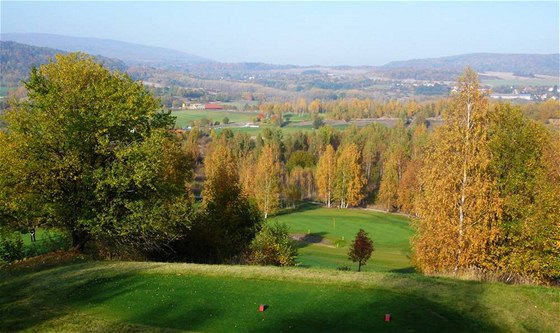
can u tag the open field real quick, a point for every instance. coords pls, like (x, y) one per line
(160, 297)
(327, 233)
(496, 79)
(184, 117)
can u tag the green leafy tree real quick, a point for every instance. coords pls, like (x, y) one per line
(526, 168)
(273, 246)
(361, 249)
(89, 151)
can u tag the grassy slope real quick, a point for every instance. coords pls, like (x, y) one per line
(113, 296)
(390, 234)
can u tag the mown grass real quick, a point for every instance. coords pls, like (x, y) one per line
(185, 117)
(336, 228)
(46, 240)
(143, 297)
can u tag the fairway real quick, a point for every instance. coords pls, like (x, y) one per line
(154, 297)
(184, 117)
(330, 232)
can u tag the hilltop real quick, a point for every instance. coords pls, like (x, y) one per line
(16, 60)
(128, 52)
(523, 64)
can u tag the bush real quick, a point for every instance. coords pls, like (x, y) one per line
(11, 246)
(273, 246)
(225, 121)
(318, 122)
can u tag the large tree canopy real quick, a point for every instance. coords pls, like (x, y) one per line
(90, 151)
(489, 198)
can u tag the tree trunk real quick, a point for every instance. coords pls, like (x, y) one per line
(463, 188)
(79, 239)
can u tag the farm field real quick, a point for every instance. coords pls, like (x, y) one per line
(495, 79)
(327, 233)
(165, 297)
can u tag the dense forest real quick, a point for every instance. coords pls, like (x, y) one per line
(92, 152)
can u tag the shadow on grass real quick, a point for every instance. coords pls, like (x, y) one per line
(302, 207)
(406, 270)
(304, 240)
(409, 312)
(29, 300)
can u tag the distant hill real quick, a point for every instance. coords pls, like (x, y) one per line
(130, 53)
(17, 59)
(525, 64)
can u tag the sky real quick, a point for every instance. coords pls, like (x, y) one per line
(302, 33)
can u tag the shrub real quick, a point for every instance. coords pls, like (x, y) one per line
(273, 246)
(11, 246)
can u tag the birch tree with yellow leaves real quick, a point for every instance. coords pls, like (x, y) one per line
(349, 177)
(459, 206)
(267, 181)
(325, 175)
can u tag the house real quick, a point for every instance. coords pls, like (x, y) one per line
(196, 107)
(210, 106)
(511, 96)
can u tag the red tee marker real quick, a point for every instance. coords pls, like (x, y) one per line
(263, 307)
(388, 317)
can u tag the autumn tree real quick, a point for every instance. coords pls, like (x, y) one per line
(361, 249)
(409, 183)
(349, 179)
(326, 175)
(267, 181)
(458, 207)
(89, 151)
(395, 159)
(526, 166)
(227, 221)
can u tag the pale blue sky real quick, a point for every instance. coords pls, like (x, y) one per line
(302, 33)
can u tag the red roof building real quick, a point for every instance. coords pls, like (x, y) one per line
(213, 107)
